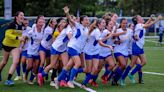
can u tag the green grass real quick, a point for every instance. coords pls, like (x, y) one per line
(153, 83)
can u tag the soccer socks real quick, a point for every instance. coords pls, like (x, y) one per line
(95, 77)
(73, 74)
(138, 67)
(24, 68)
(80, 70)
(118, 74)
(126, 73)
(107, 72)
(140, 75)
(9, 76)
(18, 69)
(32, 76)
(53, 74)
(87, 78)
(62, 75)
(44, 74)
(110, 76)
(40, 69)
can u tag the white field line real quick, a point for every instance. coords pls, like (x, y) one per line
(153, 41)
(79, 85)
(154, 73)
(87, 89)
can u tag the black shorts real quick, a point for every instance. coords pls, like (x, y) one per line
(7, 48)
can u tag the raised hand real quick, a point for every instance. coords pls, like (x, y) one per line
(66, 9)
(159, 17)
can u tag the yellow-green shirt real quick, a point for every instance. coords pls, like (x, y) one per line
(56, 34)
(13, 31)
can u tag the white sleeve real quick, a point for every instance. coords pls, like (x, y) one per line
(97, 34)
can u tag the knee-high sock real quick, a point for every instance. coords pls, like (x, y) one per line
(24, 68)
(124, 75)
(137, 68)
(73, 74)
(87, 78)
(18, 69)
(62, 75)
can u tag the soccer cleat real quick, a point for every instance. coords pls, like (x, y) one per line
(56, 85)
(141, 82)
(83, 86)
(94, 84)
(30, 82)
(18, 78)
(40, 79)
(122, 82)
(9, 82)
(104, 79)
(131, 77)
(90, 81)
(63, 83)
(52, 84)
(70, 84)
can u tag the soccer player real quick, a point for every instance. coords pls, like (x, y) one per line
(35, 36)
(11, 43)
(75, 47)
(23, 48)
(137, 46)
(44, 49)
(121, 49)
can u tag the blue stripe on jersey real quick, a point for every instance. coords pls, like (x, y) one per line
(105, 41)
(32, 41)
(65, 39)
(78, 33)
(49, 37)
(95, 43)
(141, 34)
(118, 38)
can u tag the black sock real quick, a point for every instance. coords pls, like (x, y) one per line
(9, 76)
(53, 74)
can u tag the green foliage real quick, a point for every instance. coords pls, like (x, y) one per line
(88, 7)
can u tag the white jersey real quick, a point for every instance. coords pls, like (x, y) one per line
(47, 38)
(79, 38)
(92, 47)
(35, 40)
(25, 33)
(140, 32)
(130, 43)
(124, 45)
(60, 43)
(104, 51)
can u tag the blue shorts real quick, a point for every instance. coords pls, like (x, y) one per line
(41, 48)
(24, 54)
(136, 51)
(55, 52)
(72, 52)
(102, 57)
(36, 57)
(119, 54)
(90, 57)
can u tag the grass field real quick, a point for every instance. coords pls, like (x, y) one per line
(153, 83)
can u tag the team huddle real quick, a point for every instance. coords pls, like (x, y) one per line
(75, 45)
